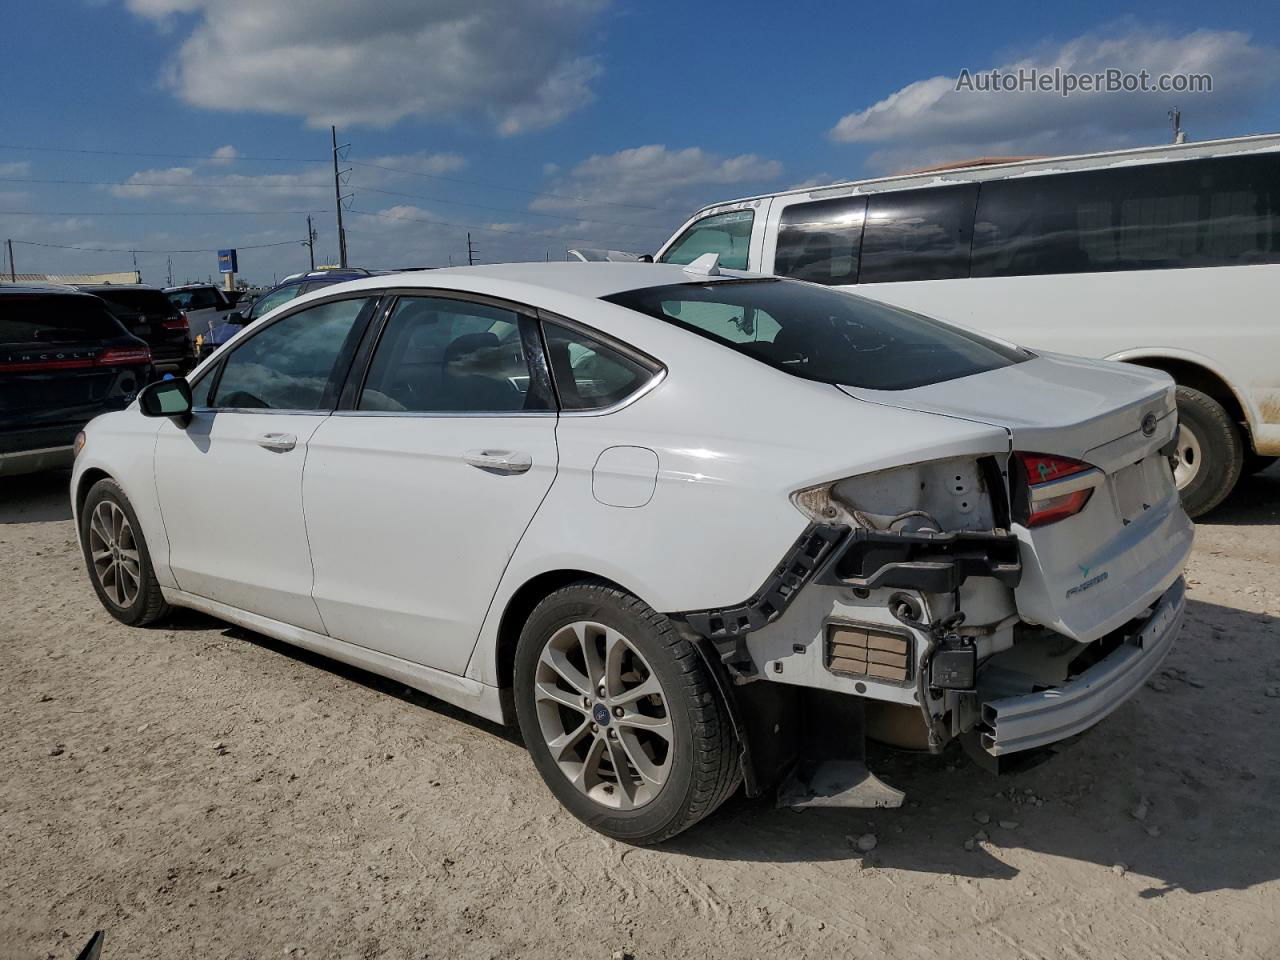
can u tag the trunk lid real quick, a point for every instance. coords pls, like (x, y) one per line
(1087, 574)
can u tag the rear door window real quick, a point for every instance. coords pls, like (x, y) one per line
(821, 241)
(918, 234)
(437, 355)
(728, 234)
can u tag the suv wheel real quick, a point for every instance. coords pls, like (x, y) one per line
(1210, 454)
(116, 556)
(621, 716)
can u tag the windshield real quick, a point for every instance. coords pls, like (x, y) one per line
(822, 334)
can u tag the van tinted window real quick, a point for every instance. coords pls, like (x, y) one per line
(918, 234)
(821, 241)
(824, 335)
(728, 234)
(1189, 213)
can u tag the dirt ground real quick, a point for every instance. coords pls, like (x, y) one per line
(199, 791)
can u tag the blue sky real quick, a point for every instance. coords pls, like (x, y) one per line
(541, 125)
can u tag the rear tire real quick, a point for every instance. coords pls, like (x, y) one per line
(1210, 452)
(584, 654)
(116, 556)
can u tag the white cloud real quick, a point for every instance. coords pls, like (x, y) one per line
(634, 198)
(930, 121)
(520, 65)
(17, 168)
(653, 176)
(309, 188)
(224, 155)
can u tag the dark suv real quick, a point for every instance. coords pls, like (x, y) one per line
(147, 313)
(64, 359)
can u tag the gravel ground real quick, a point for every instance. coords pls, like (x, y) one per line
(199, 791)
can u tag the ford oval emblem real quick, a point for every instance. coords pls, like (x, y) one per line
(1149, 425)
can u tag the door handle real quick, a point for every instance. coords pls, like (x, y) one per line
(499, 461)
(279, 442)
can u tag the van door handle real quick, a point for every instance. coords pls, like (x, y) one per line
(499, 461)
(279, 442)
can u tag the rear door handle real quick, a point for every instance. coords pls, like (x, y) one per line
(499, 461)
(280, 442)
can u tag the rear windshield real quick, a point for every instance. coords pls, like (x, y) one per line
(151, 302)
(822, 334)
(54, 318)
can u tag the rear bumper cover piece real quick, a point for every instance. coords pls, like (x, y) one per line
(1038, 719)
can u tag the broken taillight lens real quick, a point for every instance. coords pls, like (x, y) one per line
(1043, 474)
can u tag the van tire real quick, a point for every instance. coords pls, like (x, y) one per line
(1206, 431)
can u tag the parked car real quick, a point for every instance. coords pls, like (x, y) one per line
(64, 359)
(204, 304)
(1166, 257)
(286, 290)
(148, 314)
(686, 527)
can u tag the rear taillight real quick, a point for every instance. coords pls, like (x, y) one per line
(1053, 488)
(123, 356)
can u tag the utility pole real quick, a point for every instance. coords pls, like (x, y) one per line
(137, 277)
(170, 259)
(1175, 120)
(337, 198)
(311, 242)
(471, 251)
(13, 274)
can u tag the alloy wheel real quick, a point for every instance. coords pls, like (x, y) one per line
(114, 552)
(603, 715)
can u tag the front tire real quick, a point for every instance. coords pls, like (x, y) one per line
(1210, 452)
(117, 558)
(621, 715)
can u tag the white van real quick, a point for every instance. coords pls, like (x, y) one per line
(1168, 257)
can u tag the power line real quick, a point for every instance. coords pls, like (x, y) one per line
(498, 186)
(168, 156)
(63, 246)
(156, 213)
(467, 226)
(173, 186)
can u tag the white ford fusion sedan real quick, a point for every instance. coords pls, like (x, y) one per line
(689, 528)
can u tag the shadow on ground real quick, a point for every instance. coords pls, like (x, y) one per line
(36, 497)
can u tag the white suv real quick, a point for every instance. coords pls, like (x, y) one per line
(687, 527)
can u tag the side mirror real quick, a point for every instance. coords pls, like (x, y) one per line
(167, 398)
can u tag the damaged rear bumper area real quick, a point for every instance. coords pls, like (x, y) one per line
(1026, 721)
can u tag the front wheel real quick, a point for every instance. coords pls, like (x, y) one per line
(1209, 454)
(117, 558)
(621, 716)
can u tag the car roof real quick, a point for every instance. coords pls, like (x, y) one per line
(29, 288)
(590, 280)
(108, 287)
(190, 286)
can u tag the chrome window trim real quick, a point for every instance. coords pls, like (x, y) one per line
(446, 414)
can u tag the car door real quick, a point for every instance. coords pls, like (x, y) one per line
(418, 493)
(230, 482)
